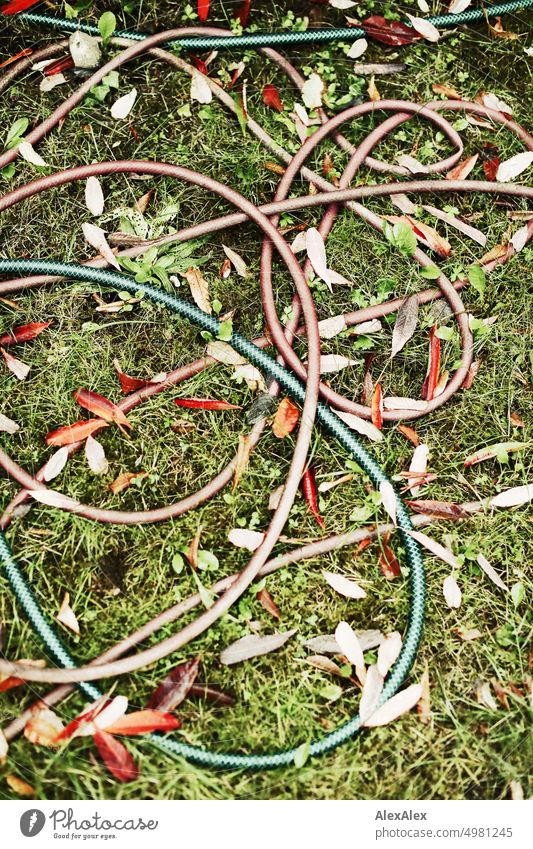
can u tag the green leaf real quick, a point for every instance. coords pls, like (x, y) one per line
(477, 279)
(331, 692)
(107, 25)
(178, 563)
(225, 331)
(301, 754)
(405, 238)
(207, 560)
(17, 130)
(445, 333)
(517, 593)
(431, 272)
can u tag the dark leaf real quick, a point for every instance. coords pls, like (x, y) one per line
(175, 687)
(116, 757)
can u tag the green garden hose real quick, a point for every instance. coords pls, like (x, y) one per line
(275, 39)
(332, 424)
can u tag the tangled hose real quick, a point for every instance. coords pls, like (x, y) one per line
(302, 383)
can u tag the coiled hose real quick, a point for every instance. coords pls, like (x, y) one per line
(276, 39)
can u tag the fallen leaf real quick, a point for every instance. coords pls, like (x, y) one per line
(498, 450)
(67, 616)
(95, 456)
(122, 107)
(388, 562)
(286, 419)
(405, 325)
(328, 328)
(77, 432)
(312, 92)
(373, 91)
(84, 50)
(199, 289)
(371, 692)
(351, 648)
(271, 98)
(27, 152)
(237, 261)
(513, 167)
(95, 236)
(436, 548)
(18, 368)
(439, 509)
(325, 486)
(143, 722)
(131, 384)
(418, 465)
(468, 634)
(275, 497)
(4, 747)
(54, 499)
(316, 253)
(458, 6)
(361, 426)
(203, 9)
(125, 480)
(409, 434)
(175, 687)
(399, 704)
(424, 703)
(388, 499)
(266, 601)
(344, 586)
(55, 464)
(100, 406)
(426, 29)
(388, 652)
(399, 403)
(358, 48)
(377, 407)
(393, 33)
(253, 645)
(245, 538)
(18, 786)
(448, 91)
(310, 494)
(518, 240)
(94, 196)
(327, 644)
(452, 221)
(320, 661)
(205, 404)
(241, 460)
(23, 333)
(432, 376)
(484, 695)
(116, 757)
(451, 592)
(8, 425)
(43, 727)
(514, 497)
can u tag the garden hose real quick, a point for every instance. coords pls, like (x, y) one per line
(332, 424)
(44, 271)
(324, 35)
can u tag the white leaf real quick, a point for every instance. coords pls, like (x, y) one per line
(237, 261)
(302, 115)
(325, 486)
(94, 196)
(472, 232)
(360, 426)
(110, 714)
(4, 747)
(330, 363)
(424, 27)
(398, 403)
(316, 252)
(312, 92)
(199, 289)
(412, 164)
(67, 616)
(95, 456)
(54, 499)
(342, 4)
(56, 463)
(388, 652)
(405, 325)
(492, 101)
(253, 377)
(404, 204)
(30, 155)
(371, 692)
(436, 548)
(423, 6)
(358, 48)
(458, 6)
(49, 83)
(275, 497)
(388, 499)
(395, 707)
(514, 166)
(337, 279)
(8, 425)
(84, 49)
(200, 90)
(299, 243)
(520, 238)
(244, 538)
(372, 326)
(122, 107)
(350, 645)
(513, 497)
(451, 592)
(95, 236)
(327, 644)
(491, 572)
(484, 695)
(344, 586)
(418, 464)
(224, 353)
(253, 646)
(328, 328)
(17, 367)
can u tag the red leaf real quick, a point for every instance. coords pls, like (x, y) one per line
(100, 406)
(23, 333)
(175, 687)
(205, 404)
(10, 683)
(199, 64)
(26, 52)
(83, 718)
(144, 721)
(129, 384)
(388, 562)
(244, 12)
(432, 377)
(271, 98)
(377, 407)
(286, 419)
(116, 757)
(491, 160)
(389, 32)
(75, 433)
(439, 509)
(310, 494)
(16, 6)
(64, 64)
(203, 9)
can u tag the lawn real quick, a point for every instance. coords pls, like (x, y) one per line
(118, 577)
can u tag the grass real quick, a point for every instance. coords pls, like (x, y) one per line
(118, 577)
